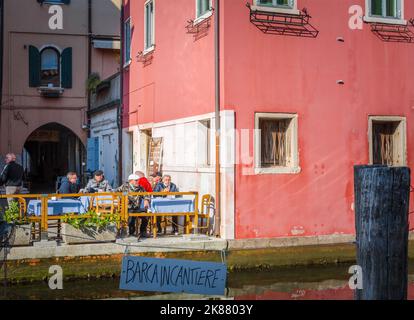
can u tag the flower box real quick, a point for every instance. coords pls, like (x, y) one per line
(21, 235)
(71, 235)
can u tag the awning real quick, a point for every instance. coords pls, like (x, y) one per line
(107, 44)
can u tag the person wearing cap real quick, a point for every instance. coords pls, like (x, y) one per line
(134, 204)
(97, 184)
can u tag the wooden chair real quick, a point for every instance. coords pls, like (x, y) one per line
(207, 207)
(104, 204)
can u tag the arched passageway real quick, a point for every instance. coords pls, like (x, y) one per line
(50, 152)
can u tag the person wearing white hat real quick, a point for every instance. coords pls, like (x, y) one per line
(134, 204)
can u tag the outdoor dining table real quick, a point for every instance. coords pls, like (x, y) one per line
(171, 205)
(57, 207)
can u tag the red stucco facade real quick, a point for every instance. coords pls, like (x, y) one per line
(278, 74)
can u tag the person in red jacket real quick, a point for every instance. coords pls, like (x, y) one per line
(143, 182)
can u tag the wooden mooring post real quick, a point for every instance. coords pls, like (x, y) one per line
(382, 196)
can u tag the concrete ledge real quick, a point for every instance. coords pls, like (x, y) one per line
(289, 242)
(172, 244)
(145, 246)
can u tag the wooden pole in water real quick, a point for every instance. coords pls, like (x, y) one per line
(381, 206)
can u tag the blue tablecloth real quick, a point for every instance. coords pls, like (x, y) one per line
(86, 201)
(58, 207)
(171, 205)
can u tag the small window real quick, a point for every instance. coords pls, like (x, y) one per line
(50, 68)
(149, 37)
(276, 147)
(203, 7)
(387, 11)
(387, 141)
(127, 42)
(277, 3)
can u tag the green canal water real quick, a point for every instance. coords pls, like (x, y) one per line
(298, 283)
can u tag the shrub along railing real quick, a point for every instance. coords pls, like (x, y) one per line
(45, 209)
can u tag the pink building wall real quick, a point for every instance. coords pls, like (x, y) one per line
(267, 73)
(179, 82)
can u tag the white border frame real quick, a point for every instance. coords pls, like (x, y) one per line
(402, 120)
(152, 47)
(294, 10)
(295, 168)
(368, 18)
(208, 14)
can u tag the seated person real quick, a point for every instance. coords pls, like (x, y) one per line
(134, 204)
(165, 185)
(69, 184)
(97, 184)
(155, 179)
(144, 182)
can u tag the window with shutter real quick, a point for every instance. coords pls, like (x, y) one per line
(66, 65)
(34, 67)
(387, 139)
(276, 143)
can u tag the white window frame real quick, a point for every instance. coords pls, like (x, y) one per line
(149, 48)
(403, 146)
(276, 8)
(294, 168)
(127, 60)
(206, 15)
(369, 18)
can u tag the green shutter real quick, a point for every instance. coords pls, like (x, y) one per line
(34, 67)
(67, 68)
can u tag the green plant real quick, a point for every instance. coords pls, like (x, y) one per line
(93, 81)
(92, 220)
(12, 214)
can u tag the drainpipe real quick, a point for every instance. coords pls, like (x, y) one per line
(121, 101)
(217, 114)
(89, 51)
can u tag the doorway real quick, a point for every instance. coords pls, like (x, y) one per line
(51, 151)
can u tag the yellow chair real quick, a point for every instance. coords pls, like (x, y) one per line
(207, 207)
(105, 204)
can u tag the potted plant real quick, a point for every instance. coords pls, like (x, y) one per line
(94, 227)
(21, 234)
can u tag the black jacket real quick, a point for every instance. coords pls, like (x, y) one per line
(12, 175)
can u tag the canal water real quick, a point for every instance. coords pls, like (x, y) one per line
(294, 283)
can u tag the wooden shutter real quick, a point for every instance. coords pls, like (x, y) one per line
(93, 154)
(67, 68)
(274, 142)
(34, 67)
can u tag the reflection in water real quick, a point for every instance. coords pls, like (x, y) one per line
(301, 283)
